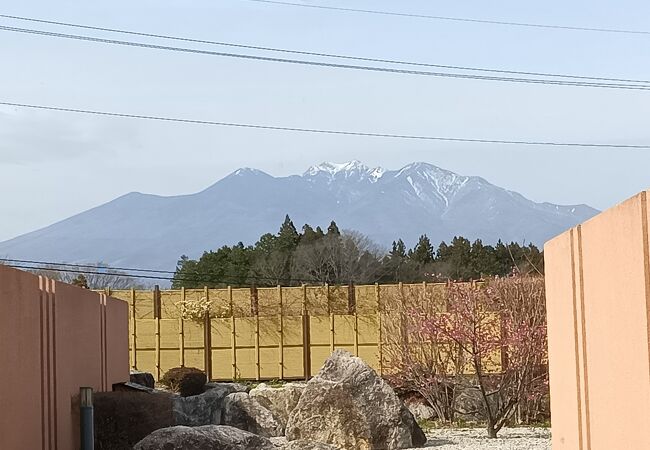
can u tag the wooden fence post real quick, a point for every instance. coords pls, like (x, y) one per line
(181, 333)
(156, 316)
(306, 336)
(207, 339)
(379, 331)
(352, 299)
(331, 316)
(134, 340)
(233, 336)
(281, 339)
(356, 334)
(257, 346)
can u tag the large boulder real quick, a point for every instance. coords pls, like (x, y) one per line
(281, 401)
(206, 408)
(207, 437)
(243, 411)
(349, 406)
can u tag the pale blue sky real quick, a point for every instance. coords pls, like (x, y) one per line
(53, 165)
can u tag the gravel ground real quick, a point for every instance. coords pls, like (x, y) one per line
(476, 439)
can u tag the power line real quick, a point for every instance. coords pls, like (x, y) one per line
(88, 266)
(457, 19)
(330, 132)
(330, 65)
(105, 270)
(86, 272)
(200, 277)
(319, 54)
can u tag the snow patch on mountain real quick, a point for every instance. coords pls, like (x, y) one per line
(354, 170)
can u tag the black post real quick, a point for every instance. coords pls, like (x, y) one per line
(86, 416)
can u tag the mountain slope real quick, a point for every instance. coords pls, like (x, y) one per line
(151, 231)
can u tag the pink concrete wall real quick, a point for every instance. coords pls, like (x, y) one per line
(54, 338)
(598, 302)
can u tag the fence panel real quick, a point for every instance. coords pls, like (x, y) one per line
(267, 333)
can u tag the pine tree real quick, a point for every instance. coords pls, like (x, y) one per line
(398, 250)
(423, 252)
(309, 236)
(333, 229)
(288, 236)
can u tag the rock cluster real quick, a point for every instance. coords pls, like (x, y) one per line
(347, 406)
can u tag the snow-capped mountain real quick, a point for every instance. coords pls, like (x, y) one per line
(145, 230)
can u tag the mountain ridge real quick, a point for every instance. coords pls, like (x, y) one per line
(152, 231)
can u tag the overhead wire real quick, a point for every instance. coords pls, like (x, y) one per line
(318, 54)
(110, 271)
(327, 131)
(107, 267)
(456, 19)
(541, 81)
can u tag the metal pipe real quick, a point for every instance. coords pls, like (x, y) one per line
(86, 416)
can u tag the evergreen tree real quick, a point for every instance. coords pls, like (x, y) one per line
(398, 250)
(333, 229)
(423, 252)
(288, 236)
(456, 259)
(268, 243)
(483, 260)
(309, 236)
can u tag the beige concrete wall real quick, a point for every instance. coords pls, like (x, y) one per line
(54, 338)
(598, 301)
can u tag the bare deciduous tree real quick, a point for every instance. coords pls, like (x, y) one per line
(348, 258)
(100, 276)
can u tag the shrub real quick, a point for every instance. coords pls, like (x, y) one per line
(124, 418)
(185, 380)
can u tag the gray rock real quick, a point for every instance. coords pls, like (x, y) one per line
(243, 411)
(207, 437)
(234, 387)
(206, 408)
(349, 406)
(469, 404)
(421, 411)
(280, 401)
(142, 378)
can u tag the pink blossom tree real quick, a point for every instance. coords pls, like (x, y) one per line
(500, 328)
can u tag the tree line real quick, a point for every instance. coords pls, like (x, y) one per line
(317, 256)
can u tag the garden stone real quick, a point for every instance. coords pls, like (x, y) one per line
(349, 406)
(281, 401)
(142, 378)
(421, 411)
(243, 411)
(234, 387)
(207, 437)
(203, 409)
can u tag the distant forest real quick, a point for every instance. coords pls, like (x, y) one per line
(316, 256)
